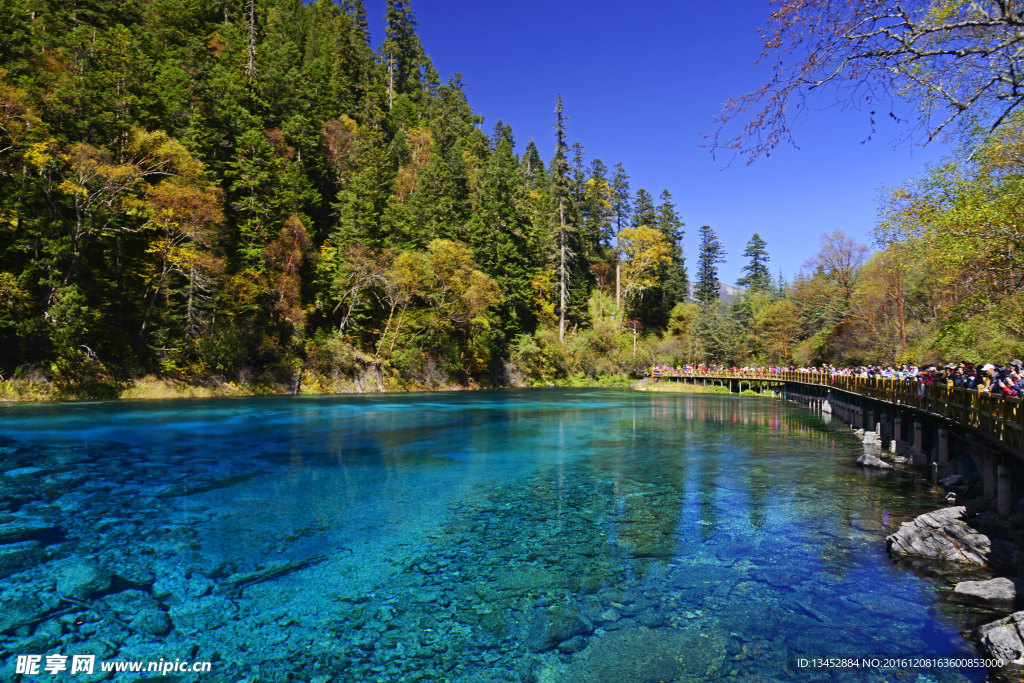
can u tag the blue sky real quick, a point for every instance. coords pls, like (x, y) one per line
(642, 81)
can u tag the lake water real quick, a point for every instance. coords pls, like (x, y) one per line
(549, 535)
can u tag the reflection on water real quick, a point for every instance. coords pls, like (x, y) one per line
(498, 536)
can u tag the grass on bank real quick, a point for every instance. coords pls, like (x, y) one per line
(672, 387)
(151, 387)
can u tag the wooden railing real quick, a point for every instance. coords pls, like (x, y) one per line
(998, 417)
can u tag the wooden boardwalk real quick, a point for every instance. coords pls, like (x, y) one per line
(999, 418)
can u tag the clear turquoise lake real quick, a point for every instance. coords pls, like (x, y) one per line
(545, 535)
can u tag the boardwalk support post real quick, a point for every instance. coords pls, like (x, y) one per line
(919, 458)
(1003, 492)
(897, 434)
(943, 446)
(988, 478)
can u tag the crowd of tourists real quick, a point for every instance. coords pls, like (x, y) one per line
(1007, 380)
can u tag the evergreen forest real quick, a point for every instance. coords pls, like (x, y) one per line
(258, 194)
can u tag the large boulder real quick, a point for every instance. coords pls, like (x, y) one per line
(941, 535)
(998, 593)
(1002, 640)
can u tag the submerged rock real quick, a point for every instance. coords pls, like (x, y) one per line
(15, 557)
(641, 655)
(141, 611)
(78, 578)
(14, 528)
(553, 625)
(21, 610)
(940, 535)
(23, 475)
(869, 460)
(999, 592)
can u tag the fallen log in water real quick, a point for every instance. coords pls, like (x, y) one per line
(239, 583)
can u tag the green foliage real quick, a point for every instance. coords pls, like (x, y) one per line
(757, 277)
(709, 255)
(328, 218)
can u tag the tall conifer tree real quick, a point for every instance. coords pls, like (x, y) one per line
(401, 49)
(560, 184)
(757, 277)
(643, 209)
(674, 280)
(620, 210)
(709, 256)
(596, 213)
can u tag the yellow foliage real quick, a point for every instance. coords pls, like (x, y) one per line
(644, 251)
(39, 154)
(71, 189)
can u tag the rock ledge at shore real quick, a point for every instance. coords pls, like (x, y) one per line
(940, 535)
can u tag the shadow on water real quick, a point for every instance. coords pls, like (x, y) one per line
(554, 535)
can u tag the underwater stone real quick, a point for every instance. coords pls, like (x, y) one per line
(19, 611)
(79, 578)
(640, 655)
(573, 645)
(524, 579)
(205, 614)
(940, 535)
(142, 612)
(15, 557)
(154, 622)
(134, 574)
(553, 625)
(652, 619)
(22, 475)
(14, 528)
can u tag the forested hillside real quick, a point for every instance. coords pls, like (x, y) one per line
(258, 192)
(247, 189)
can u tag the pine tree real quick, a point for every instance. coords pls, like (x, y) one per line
(502, 132)
(674, 280)
(560, 185)
(643, 209)
(531, 168)
(596, 211)
(620, 210)
(357, 11)
(499, 234)
(757, 278)
(710, 255)
(401, 49)
(781, 285)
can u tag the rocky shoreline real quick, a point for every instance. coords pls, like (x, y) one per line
(949, 535)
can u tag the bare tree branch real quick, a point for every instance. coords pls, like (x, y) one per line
(948, 57)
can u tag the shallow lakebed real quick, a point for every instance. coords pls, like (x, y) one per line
(543, 535)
